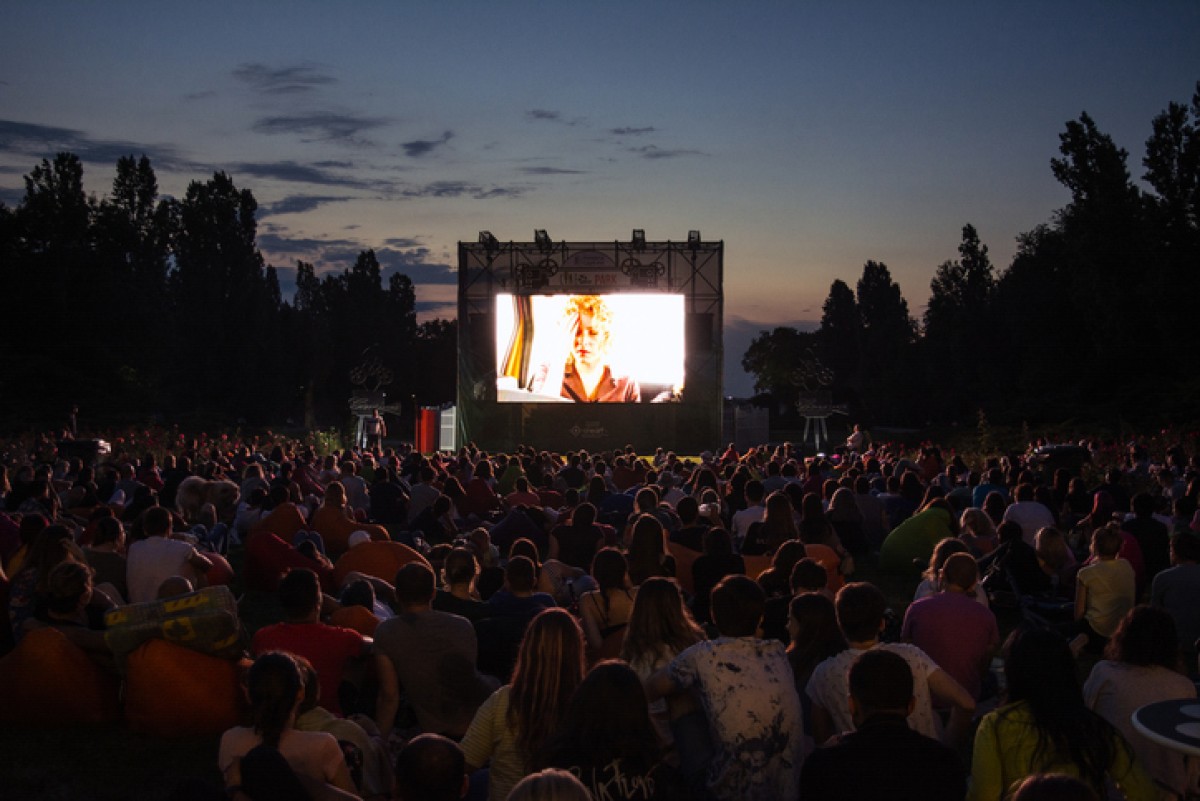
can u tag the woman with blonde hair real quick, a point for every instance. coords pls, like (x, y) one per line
(517, 719)
(978, 532)
(579, 369)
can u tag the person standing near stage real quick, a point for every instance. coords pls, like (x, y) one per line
(374, 429)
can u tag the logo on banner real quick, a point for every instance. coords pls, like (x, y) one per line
(588, 431)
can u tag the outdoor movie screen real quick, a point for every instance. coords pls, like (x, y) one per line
(622, 347)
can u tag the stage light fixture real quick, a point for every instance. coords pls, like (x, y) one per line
(693, 239)
(543, 240)
(489, 242)
(639, 239)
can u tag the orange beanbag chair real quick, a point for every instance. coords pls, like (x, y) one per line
(284, 520)
(335, 529)
(268, 558)
(172, 691)
(378, 559)
(828, 559)
(755, 565)
(358, 618)
(49, 681)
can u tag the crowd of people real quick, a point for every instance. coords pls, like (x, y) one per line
(615, 625)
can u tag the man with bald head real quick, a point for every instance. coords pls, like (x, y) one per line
(957, 631)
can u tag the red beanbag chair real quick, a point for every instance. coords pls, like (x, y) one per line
(172, 691)
(268, 558)
(49, 681)
(221, 571)
(378, 559)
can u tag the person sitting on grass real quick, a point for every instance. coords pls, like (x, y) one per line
(73, 607)
(746, 689)
(276, 690)
(330, 649)
(861, 610)
(904, 765)
(363, 749)
(1105, 589)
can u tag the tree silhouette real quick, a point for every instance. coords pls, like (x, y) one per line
(839, 342)
(136, 305)
(959, 324)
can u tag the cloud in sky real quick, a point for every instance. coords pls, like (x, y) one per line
(632, 131)
(551, 171)
(44, 141)
(284, 80)
(422, 147)
(546, 115)
(654, 152)
(321, 125)
(436, 308)
(445, 189)
(302, 173)
(296, 204)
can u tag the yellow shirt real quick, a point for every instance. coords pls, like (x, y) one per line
(1004, 755)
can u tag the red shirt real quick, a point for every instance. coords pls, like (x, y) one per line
(328, 648)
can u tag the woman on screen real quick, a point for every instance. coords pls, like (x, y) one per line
(583, 373)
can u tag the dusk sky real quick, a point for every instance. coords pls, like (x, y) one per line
(810, 137)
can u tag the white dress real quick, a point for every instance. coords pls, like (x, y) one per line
(1115, 689)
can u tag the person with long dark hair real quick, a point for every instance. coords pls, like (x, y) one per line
(648, 550)
(605, 611)
(1046, 727)
(607, 740)
(717, 561)
(510, 727)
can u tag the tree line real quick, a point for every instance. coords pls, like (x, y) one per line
(1092, 318)
(137, 306)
